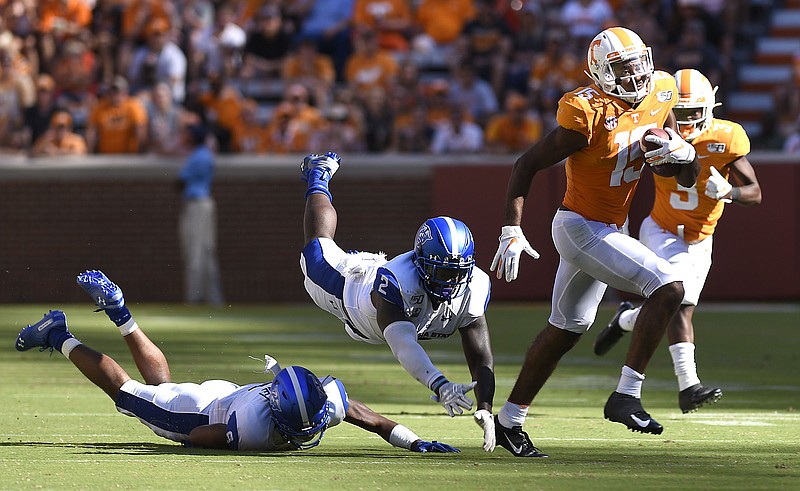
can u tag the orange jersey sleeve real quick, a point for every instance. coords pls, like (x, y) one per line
(602, 177)
(674, 205)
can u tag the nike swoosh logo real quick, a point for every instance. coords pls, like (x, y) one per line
(515, 448)
(640, 422)
(703, 156)
(653, 112)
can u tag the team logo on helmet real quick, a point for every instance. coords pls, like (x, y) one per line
(423, 235)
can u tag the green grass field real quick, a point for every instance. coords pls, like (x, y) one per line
(61, 432)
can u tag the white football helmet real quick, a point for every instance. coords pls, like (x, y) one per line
(696, 102)
(621, 64)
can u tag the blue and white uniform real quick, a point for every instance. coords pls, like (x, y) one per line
(341, 283)
(174, 410)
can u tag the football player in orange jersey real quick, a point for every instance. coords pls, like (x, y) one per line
(681, 225)
(599, 127)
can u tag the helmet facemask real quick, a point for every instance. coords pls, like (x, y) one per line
(445, 279)
(631, 77)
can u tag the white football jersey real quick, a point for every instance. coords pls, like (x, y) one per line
(398, 282)
(174, 410)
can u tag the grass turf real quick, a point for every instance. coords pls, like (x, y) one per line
(61, 432)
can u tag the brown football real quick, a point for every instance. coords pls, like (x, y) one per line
(665, 170)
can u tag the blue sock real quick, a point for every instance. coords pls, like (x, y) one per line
(318, 183)
(119, 316)
(56, 338)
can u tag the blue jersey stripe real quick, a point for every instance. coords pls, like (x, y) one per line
(321, 272)
(182, 423)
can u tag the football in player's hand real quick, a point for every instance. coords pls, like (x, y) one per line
(665, 170)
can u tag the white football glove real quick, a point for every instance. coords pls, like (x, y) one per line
(676, 150)
(454, 397)
(486, 421)
(717, 186)
(512, 244)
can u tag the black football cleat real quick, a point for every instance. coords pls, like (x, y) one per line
(696, 396)
(628, 410)
(515, 441)
(612, 333)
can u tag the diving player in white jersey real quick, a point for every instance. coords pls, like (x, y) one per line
(429, 292)
(291, 412)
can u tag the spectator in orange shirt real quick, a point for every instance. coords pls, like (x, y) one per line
(59, 139)
(441, 22)
(284, 134)
(307, 66)
(370, 65)
(222, 104)
(302, 112)
(390, 19)
(249, 135)
(515, 130)
(58, 21)
(118, 123)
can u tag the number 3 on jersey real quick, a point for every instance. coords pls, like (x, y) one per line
(628, 144)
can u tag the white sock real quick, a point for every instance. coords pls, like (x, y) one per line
(630, 382)
(129, 326)
(684, 364)
(627, 319)
(512, 415)
(68, 346)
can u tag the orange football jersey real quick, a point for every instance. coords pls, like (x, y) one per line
(602, 177)
(718, 146)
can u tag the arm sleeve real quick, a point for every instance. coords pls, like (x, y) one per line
(401, 336)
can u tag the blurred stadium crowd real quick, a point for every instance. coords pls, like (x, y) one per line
(279, 76)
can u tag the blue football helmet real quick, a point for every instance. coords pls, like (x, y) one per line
(300, 407)
(444, 254)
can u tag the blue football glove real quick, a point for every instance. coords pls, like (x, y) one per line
(422, 446)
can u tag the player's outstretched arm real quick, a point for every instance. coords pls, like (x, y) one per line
(396, 434)
(478, 353)
(401, 336)
(557, 145)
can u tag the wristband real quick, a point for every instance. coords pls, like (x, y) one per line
(402, 437)
(438, 383)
